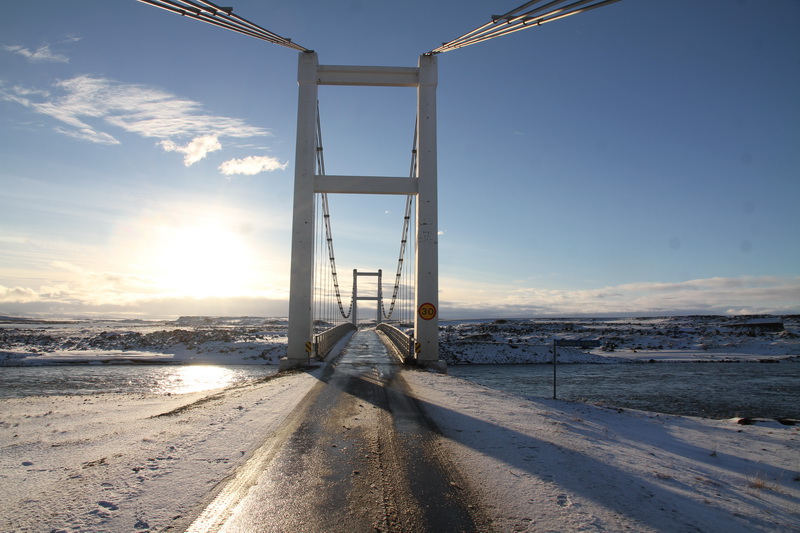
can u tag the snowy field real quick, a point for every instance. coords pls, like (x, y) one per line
(679, 338)
(148, 462)
(188, 340)
(547, 465)
(249, 340)
(123, 462)
(120, 463)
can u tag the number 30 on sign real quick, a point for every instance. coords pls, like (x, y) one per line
(427, 311)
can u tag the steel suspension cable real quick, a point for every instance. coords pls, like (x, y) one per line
(407, 283)
(326, 215)
(318, 298)
(224, 18)
(329, 233)
(404, 235)
(519, 19)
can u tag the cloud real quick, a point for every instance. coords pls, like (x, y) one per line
(111, 294)
(43, 53)
(108, 294)
(743, 295)
(196, 150)
(152, 308)
(251, 165)
(87, 105)
(69, 288)
(17, 295)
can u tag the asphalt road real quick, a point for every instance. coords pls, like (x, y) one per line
(357, 455)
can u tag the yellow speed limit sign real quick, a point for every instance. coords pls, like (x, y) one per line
(427, 311)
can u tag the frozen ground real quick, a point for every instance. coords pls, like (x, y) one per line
(148, 462)
(120, 463)
(187, 340)
(546, 465)
(679, 338)
(249, 340)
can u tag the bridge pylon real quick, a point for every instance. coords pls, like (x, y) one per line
(423, 77)
(377, 298)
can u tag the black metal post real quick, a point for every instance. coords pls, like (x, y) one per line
(555, 343)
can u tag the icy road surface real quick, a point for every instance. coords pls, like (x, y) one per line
(359, 457)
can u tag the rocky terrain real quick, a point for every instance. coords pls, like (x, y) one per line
(263, 340)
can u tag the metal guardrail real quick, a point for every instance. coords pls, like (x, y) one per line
(326, 340)
(402, 344)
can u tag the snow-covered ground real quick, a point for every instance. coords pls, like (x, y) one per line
(547, 465)
(148, 462)
(206, 340)
(679, 338)
(249, 340)
(121, 462)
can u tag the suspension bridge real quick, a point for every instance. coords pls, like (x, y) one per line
(317, 315)
(308, 298)
(407, 485)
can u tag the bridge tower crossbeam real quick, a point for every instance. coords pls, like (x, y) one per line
(307, 183)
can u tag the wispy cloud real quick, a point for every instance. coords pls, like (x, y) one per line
(251, 165)
(41, 54)
(81, 292)
(87, 105)
(195, 150)
(84, 292)
(744, 295)
(75, 288)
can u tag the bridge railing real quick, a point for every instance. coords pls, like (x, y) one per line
(326, 340)
(402, 344)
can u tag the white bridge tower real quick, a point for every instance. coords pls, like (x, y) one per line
(377, 298)
(307, 183)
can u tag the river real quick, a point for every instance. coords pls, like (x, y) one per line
(711, 390)
(99, 379)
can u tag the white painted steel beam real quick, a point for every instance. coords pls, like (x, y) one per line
(364, 185)
(368, 76)
(357, 298)
(301, 281)
(427, 249)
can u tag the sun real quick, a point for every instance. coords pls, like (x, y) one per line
(201, 259)
(191, 251)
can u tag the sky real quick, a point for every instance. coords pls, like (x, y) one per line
(639, 159)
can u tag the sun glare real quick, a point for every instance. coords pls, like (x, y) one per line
(186, 379)
(202, 260)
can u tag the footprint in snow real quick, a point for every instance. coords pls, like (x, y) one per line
(563, 500)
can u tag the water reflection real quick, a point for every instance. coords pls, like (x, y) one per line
(195, 378)
(94, 379)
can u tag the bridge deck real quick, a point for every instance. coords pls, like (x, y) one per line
(360, 456)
